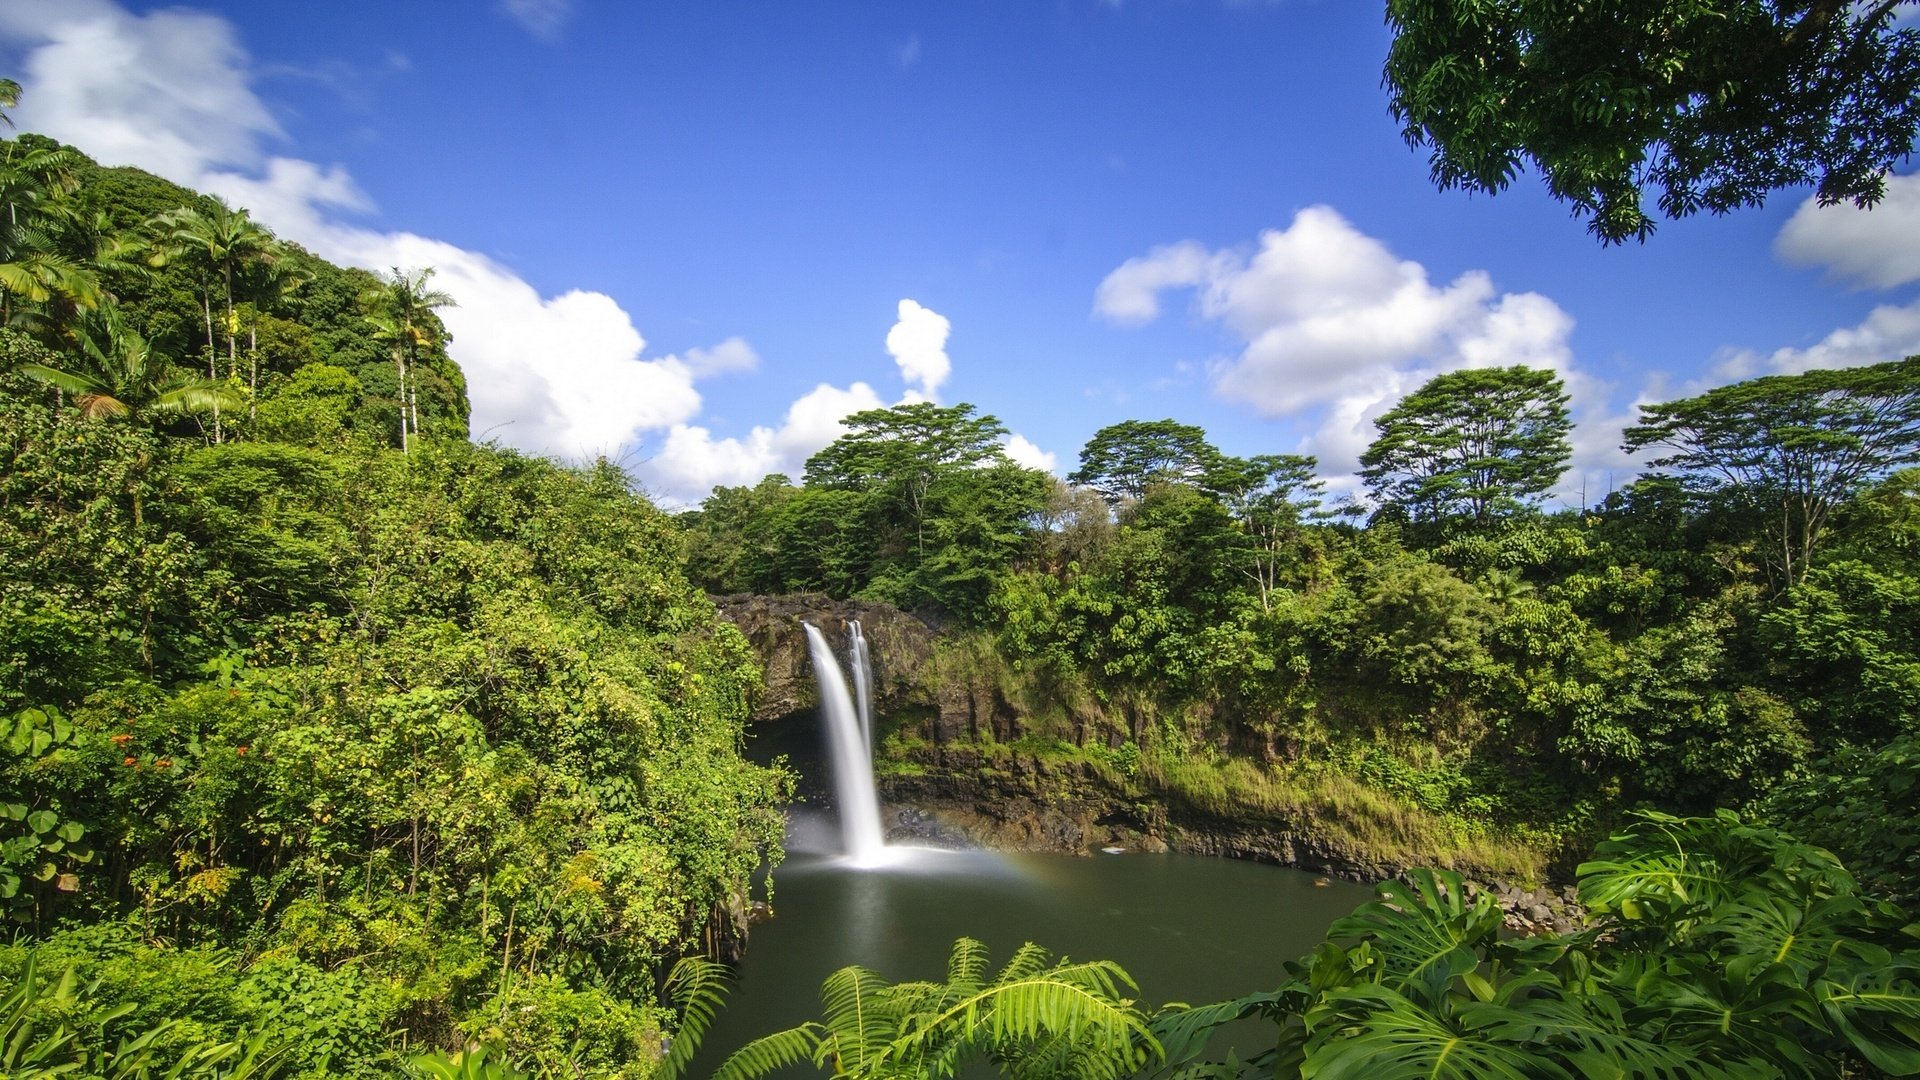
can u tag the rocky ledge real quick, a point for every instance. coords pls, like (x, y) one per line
(1023, 803)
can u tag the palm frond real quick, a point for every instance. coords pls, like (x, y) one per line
(67, 381)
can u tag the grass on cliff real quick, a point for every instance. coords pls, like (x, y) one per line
(1342, 812)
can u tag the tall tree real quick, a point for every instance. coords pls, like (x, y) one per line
(905, 449)
(1789, 448)
(1123, 460)
(1477, 443)
(400, 311)
(1712, 103)
(223, 243)
(1269, 495)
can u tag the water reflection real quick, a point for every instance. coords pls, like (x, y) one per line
(1187, 928)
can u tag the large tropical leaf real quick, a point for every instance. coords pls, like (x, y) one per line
(1668, 871)
(1590, 1032)
(1425, 930)
(1383, 1035)
(1876, 1008)
(1801, 932)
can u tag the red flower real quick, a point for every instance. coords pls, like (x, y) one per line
(163, 763)
(241, 750)
(131, 761)
(121, 739)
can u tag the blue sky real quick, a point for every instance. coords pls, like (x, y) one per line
(693, 235)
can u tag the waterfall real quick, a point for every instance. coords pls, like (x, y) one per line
(862, 680)
(851, 754)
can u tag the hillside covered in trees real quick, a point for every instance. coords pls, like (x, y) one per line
(330, 738)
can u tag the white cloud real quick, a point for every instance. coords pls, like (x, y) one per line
(1335, 328)
(1130, 295)
(1024, 452)
(918, 344)
(1889, 332)
(730, 356)
(544, 19)
(692, 462)
(168, 91)
(1877, 248)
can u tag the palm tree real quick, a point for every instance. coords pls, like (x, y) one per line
(9, 97)
(123, 376)
(34, 273)
(400, 311)
(222, 242)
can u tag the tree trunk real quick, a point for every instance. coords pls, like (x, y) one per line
(253, 366)
(206, 308)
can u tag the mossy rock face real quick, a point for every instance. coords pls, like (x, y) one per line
(905, 682)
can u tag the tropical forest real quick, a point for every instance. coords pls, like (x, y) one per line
(340, 737)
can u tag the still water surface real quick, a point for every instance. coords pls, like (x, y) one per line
(1187, 928)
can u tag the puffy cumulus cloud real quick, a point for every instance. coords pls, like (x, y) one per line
(1889, 332)
(1334, 326)
(1024, 452)
(692, 462)
(1874, 248)
(918, 344)
(168, 91)
(544, 19)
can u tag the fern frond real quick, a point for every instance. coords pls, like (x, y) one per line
(771, 1052)
(697, 987)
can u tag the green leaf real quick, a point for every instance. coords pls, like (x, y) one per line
(1877, 1010)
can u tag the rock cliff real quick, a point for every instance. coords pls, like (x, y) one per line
(916, 686)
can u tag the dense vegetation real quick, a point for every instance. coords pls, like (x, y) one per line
(332, 740)
(321, 748)
(1736, 629)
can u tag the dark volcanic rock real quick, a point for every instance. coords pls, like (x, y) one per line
(901, 646)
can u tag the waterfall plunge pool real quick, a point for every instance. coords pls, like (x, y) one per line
(1186, 927)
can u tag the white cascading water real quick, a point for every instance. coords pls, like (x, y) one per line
(852, 758)
(862, 680)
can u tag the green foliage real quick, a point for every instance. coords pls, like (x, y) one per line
(1712, 104)
(1720, 950)
(1863, 804)
(41, 850)
(1790, 450)
(1034, 1018)
(1121, 461)
(1479, 444)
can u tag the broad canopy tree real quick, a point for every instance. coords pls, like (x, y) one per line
(943, 506)
(1123, 460)
(1711, 104)
(1789, 448)
(1480, 444)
